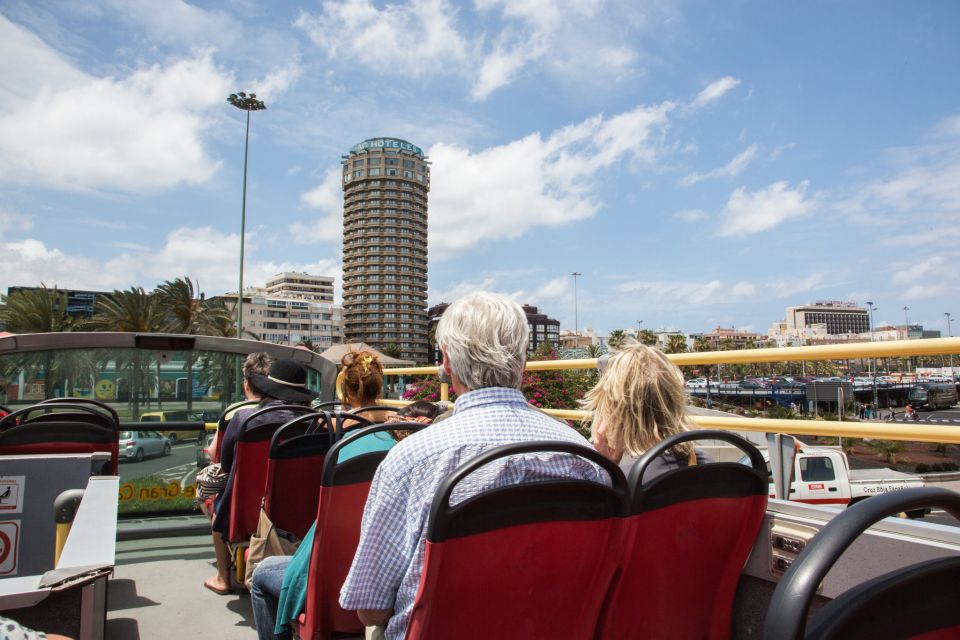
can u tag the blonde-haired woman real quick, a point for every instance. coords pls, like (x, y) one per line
(639, 401)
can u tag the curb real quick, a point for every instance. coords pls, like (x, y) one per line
(949, 476)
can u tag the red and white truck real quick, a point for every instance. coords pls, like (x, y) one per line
(822, 475)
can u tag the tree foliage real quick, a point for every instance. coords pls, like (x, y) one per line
(39, 310)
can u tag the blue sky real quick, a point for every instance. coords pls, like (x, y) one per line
(700, 163)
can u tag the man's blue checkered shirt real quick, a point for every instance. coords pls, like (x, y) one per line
(386, 569)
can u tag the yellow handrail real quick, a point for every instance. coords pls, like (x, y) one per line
(846, 351)
(914, 432)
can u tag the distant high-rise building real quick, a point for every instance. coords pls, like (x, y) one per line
(385, 186)
(838, 317)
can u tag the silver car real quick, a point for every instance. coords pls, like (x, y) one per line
(136, 445)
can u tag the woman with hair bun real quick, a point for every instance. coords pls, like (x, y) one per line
(360, 383)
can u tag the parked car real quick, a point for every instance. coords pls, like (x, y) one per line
(697, 383)
(751, 384)
(203, 450)
(185, 426)
(137, 445)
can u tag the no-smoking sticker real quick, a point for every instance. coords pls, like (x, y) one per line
(11, 494)
(9, 543)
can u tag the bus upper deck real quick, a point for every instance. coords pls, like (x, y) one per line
(156, 584)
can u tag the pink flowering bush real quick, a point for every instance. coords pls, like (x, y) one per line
(426, 389)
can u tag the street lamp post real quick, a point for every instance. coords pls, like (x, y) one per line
(872, 309)
(247, 103)
(576, 309)
(906, 333)
(639, 329)
(953, 378)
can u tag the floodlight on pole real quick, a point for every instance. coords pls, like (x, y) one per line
(247, 103)
(639, 329)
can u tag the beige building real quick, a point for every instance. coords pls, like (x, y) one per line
(293, 308)
(720, 337)
(301, 286)
(385, 186)
(839, 318)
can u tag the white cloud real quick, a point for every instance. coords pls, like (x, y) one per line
(729, 170)
(426, 39)
(919, 271)
(277, 81)
(202, 253)
(414, 40)
(924, 190)
(176, 22)
(754, 212)
(690, 215)
(668, 294)
(69, 130)
(328, 198)
(504, 191)
(457, 290)
(13, 222)
(714, 91)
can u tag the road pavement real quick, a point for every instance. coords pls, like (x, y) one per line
(179, 466)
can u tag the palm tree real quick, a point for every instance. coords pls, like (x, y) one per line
(616, 339)
(40, 310)
(700, 345)
(134, 311)
(189, 314)
(676, 344)
(648, 338)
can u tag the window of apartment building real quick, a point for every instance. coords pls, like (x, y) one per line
(373, 161)
(408, 164)
(391, 161)
(391, 172)
(373, 172)
(357, 163)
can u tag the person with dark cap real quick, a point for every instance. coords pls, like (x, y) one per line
(286, 383)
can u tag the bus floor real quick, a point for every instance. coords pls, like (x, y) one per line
(157, 593)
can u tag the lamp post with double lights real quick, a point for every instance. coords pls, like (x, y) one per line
(247, 103)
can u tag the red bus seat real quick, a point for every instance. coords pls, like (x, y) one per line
(529, 560)
(917, 601)
(62, 427)
(294, 467)
(248, 477)
(343, 495)
(225, 419)
(691, 531)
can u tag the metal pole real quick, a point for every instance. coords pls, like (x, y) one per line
(243, 227)
(953, 378)
(576, 309)
(874, 359)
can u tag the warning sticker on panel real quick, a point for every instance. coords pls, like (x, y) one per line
(11, 494)
(9, 545)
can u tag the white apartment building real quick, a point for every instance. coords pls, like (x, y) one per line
(292, 308)
(300, 286)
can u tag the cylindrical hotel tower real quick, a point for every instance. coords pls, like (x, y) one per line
(385, 185)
